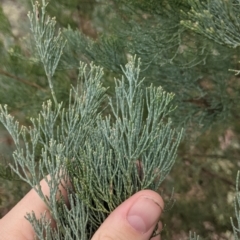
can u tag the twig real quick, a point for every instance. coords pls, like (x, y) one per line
(215, 175)
(2, 72)
(223, 179)
(212, 156)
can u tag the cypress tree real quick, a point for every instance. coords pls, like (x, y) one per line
(167, 65)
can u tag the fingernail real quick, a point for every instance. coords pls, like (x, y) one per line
(144, 214)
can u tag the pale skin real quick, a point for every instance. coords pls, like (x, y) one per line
(134, 219)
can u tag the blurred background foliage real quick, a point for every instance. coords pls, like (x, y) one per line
(186, 46)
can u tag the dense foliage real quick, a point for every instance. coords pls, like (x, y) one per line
(189, 48)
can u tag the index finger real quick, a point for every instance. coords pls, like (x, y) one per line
(14, 225)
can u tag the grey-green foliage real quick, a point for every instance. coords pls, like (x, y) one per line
(48, 44)
(173, 54)
(236, 227)
(217, 20)
(185, 46)
(19, 86)
(106, 158)
(193, 236)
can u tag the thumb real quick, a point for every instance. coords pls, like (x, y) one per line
(134, 219)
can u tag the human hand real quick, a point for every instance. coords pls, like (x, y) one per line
(134, 219)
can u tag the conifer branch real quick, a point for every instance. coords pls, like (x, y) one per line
(223, 27)
(107, 159)
(49, 45)
(236, 227)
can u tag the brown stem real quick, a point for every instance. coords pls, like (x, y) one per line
(2, 72)
(212, 156)
(215, 175)
(223, 179)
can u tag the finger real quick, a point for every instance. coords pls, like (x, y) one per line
(15, 226)
(134, 219)
(158, 237)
